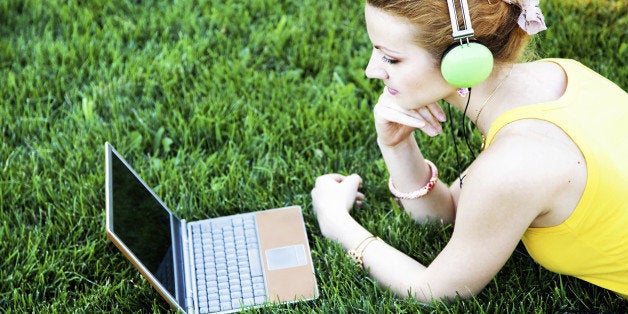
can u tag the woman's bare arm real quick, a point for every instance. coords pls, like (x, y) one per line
(495, 210)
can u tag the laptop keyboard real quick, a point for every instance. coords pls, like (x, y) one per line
(227, 264)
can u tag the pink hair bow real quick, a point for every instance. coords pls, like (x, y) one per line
(531, 19)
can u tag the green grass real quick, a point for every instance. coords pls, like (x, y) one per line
(225, 107)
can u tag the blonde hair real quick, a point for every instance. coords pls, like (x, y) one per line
(494, 24)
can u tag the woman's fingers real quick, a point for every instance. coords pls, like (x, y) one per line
(360, 196)
(427, 119)
(437, 112)
(432, 127)
(327, 178)
(354, 180)
(336, 183)
(398, 115)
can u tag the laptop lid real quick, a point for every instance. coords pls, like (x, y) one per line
(144, 229)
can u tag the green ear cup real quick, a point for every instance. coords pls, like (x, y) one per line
(467, 65)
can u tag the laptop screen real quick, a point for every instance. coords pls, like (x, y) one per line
(142, 223)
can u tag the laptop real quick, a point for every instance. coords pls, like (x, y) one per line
(217, 265)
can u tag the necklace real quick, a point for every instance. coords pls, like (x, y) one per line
(477, 116)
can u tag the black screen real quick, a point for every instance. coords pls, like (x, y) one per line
(142, 223)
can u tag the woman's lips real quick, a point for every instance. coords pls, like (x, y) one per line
(392, 91)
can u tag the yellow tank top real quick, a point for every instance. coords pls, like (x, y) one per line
(592, 244)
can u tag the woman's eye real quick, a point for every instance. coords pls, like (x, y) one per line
(389, 60)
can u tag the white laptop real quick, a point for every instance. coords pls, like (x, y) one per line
(216, 265)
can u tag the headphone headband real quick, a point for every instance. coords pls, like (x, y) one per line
(457, 32)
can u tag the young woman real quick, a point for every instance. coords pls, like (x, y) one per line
(553, 171)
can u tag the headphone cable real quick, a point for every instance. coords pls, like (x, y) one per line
(464, 134)
(464, 126)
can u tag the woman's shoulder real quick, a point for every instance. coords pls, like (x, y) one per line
(580, 76)
(533, 83)
(528, 146)
(514, 157)
(533, 162)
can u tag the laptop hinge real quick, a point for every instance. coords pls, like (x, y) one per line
(189, 278)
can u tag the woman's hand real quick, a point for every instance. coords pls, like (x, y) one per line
(333, 197)
(394, 124)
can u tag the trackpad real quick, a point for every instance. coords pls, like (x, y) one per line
(286, 257)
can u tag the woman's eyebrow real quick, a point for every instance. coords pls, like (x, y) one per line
(378, 47)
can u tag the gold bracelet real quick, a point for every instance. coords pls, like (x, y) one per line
(356, 253)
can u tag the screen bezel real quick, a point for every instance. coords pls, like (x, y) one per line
(176, 302)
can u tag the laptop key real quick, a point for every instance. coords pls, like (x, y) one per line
(225, 298)
(213, 299)
(221, 270)
(236, 295)
(214, 308)
(248, 301)
(225, 306)
(256, 265)
(248, 295)
(213, 289)
(259, 292)
(220, 223)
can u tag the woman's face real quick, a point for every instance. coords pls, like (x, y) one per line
(411, 75)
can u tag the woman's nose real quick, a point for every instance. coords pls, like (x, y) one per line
(375, 69)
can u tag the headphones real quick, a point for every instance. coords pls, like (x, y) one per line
(464, 64)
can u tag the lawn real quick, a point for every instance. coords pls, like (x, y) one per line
(227, 107)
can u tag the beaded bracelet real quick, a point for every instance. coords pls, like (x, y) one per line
(420, 192)
(356, 253)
